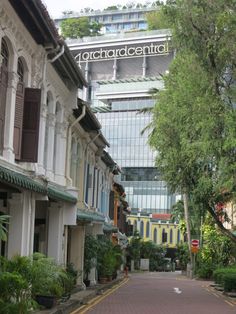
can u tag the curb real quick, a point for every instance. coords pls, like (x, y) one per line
(78, 300)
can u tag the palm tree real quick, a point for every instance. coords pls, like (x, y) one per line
(3, 230)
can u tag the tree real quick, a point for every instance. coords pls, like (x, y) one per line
(194, 122)
(111, 8)
(157, 20)
(79, 27)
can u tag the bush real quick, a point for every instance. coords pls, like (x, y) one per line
(205, 270)
(15, 294)
(226, 277)
(229, 281)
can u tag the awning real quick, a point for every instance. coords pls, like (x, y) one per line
(21, 180)
(89, 216)
(60, 195)
(108, 228)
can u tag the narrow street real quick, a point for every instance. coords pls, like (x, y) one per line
(161, 293)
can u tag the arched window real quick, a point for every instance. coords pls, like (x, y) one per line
(141, 229)
(171, 235)
(147, 229)
(20, 70)
(155, 235)
(4, 53)
(178, 236)
(164, 236)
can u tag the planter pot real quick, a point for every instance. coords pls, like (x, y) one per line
(103, 280)
(87, 283)
(47, 301)
(109, 278)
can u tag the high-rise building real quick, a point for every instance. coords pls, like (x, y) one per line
(114, 21)
(121, 71)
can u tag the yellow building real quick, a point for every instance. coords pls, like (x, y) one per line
(157, 228)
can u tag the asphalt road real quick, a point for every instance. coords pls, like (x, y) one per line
(162, 293)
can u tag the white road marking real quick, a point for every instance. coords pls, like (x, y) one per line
(177, 290)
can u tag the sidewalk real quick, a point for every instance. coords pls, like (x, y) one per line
(80, 298)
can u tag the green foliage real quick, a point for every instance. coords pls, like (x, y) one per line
(157, 20)
(182, 254)
(49, 282)
(134, 249)
(79, 27)
(15, 294)
(155, 253)
(3, 230)
(230, 282)
(226, 277)
(90, 253)
(72, 272)
(22, 278)
(109, 257)
(216, 252)
(194, 121)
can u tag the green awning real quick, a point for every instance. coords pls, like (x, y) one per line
(108, 228)
(60, 195)
(89, 216)
(21, 180)
(24, 182)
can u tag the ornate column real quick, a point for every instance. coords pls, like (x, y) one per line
(42, 129)
(60, 152)
(50, 146)
(8, 151)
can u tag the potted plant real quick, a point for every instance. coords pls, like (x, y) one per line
(48, 280)
(90, 255)
(109, 260)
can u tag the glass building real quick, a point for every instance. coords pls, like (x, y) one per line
(121, 71)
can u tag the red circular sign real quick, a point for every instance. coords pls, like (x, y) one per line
(195, 243)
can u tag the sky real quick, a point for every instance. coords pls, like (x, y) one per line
(56, 7)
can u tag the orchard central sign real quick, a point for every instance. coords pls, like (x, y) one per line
(124, 52)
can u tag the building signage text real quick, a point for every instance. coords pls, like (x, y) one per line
(124, 52)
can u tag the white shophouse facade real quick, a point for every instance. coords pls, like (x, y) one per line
(54, 178)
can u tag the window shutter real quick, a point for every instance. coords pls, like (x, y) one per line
(3, 95)
(30, 132)
(111, 205)
(18, 120)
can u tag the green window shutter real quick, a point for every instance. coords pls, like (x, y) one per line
(30, 132)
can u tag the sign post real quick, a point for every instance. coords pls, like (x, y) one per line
(194, 250)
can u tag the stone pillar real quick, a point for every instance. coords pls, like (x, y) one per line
(114, 77)
(144, 66)
(55, 232)
(77, 251)
(50, 146)
(21, 227)
(8, 151)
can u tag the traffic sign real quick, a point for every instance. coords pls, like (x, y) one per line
(194, 249)
(195, 243)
